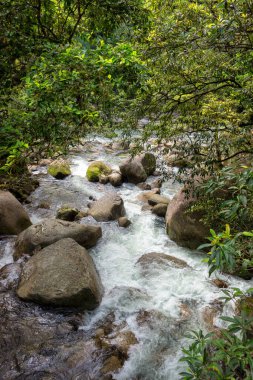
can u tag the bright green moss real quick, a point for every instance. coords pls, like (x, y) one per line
(96, 169)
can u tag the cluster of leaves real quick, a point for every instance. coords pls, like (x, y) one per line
(227, 198)
(229, 356)
(73, 90)
(199, 95)
(230, 253)
(65, 70)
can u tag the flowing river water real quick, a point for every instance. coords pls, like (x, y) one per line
(159, 303)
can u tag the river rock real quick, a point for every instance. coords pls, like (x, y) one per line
(157, 183)
(124, 222)
(111, 365)
(59, 169)
(161, 258)
(62, 274)
(9, 276)
(97, 169)
(67, 213)
(148, 162)
(13, 217)
(132, 171)
(155, 199)
(144, 186)
(49, 231)
(145, 196)
(109, 207)
(210, 313)
(160, 209)
(115, 179)
(103, 179)
(183, 227)
(219, 283)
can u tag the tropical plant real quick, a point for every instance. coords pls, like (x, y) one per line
(229, 356)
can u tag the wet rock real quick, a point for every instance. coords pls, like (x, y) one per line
(145, 196)
(155, 199)
(132, 171)
(62, 274)
(161, 258)
(103, 179)
(41, 343)
(96, 169)
(111, 365)
(9, 276)
(219, 283)
(59, 169)
(13, 217)
(210, 313)
(121, 340)
(185, 312)
(109, 207)
(184, 227)
(67, 213)
(49, 231)
(160, 209)
(148, 162)
(124, 222)
(144, 186)
(115, 179)
(157, 183)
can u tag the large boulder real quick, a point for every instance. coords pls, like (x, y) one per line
(59, 169)
(132, 171)
(62, 274)
(42, 234)
(96, 169)
(13, 217)
(148, 162)
(109, 207)
(183, 226)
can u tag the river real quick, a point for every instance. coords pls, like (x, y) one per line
(160, 303)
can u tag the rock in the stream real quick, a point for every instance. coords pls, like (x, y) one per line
(184, 227)
(219, 283)
(157, 183)
(160, 209)
(9, 276)
(148, 162)
(67, 213)
(59, 169)
(49, 231)
(109, 207)
(145, 196)
(132, 171)
(124, 222)
(161, 258)
(13, 217)
(144, 186)
(96, 169)
(155, 199)
(115, 179)
(62, 274)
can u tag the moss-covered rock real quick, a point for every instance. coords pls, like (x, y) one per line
(97, 169)
(67, 213)
(148, 161)
(59, 169)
